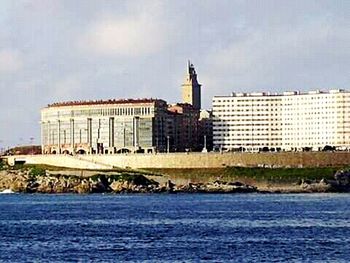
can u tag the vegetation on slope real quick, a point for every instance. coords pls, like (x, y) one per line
(248, 175)
(257, 174)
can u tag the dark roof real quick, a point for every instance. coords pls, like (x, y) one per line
(99, 102)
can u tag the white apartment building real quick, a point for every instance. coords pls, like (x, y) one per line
(292, 121)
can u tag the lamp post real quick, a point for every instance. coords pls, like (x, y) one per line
(32, 145)
(157, 143)
(2, 149)
(168, 144)
(205, 145)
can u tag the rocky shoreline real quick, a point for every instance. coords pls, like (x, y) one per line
(30, 180)
(26, 182)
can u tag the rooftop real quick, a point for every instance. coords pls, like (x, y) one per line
(99, 102)
(286, 93)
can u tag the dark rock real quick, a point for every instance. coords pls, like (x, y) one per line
(342, 177)
(217, 187)
(236, 184)
(169, 186)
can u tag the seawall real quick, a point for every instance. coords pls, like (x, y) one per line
(190, 160)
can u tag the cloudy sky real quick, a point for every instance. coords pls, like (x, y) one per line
(93, 49)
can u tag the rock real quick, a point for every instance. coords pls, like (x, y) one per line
(342, 177)
(100, 187)
(133, 183)
(19, 186)
(100, 184)
(216, 187)
(117, 186)
(83, 188)
(189, 188)
(316, 187)
(169, 186)
(45, 187)
(231, 187)
(237, 184)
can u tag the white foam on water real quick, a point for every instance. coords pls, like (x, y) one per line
(7, 191)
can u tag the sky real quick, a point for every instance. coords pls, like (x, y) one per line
(63, 50)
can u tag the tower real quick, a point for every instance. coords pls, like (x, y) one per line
(191, 89)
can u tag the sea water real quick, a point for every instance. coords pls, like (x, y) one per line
(175, 228)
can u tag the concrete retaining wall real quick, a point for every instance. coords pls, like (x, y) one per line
(58, 160)
(192, 160)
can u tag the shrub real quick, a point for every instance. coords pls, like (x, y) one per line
(37, 171)
(328, 148)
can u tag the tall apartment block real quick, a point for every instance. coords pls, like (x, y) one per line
(291, 121)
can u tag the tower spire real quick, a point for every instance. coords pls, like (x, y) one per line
(191, 89)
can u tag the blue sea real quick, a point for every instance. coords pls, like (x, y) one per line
(175, 228)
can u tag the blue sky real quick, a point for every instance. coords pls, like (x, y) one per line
(71, 50)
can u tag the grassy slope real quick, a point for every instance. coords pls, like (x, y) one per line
(251, 175)
(243, 174)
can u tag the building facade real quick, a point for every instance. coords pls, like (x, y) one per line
(185, 127)
(103, 127)
(292, 121)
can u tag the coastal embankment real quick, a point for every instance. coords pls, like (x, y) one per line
(47, 179)
(189, 160)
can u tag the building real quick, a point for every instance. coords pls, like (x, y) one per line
(191, 89)
(112, 126)
(292, 121)
(185, 127)
(118, 126)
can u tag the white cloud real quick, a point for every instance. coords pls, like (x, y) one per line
(67, 50)
(271, 57)
(66, 88)
(132, 35)
(10, 60)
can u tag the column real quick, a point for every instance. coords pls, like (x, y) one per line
(111, 132)
(136, 131)
(59, 136)
(43, 133)
(48, 133)
(89, 132)
(72, 137)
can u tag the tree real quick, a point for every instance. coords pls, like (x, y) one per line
(328, 148)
